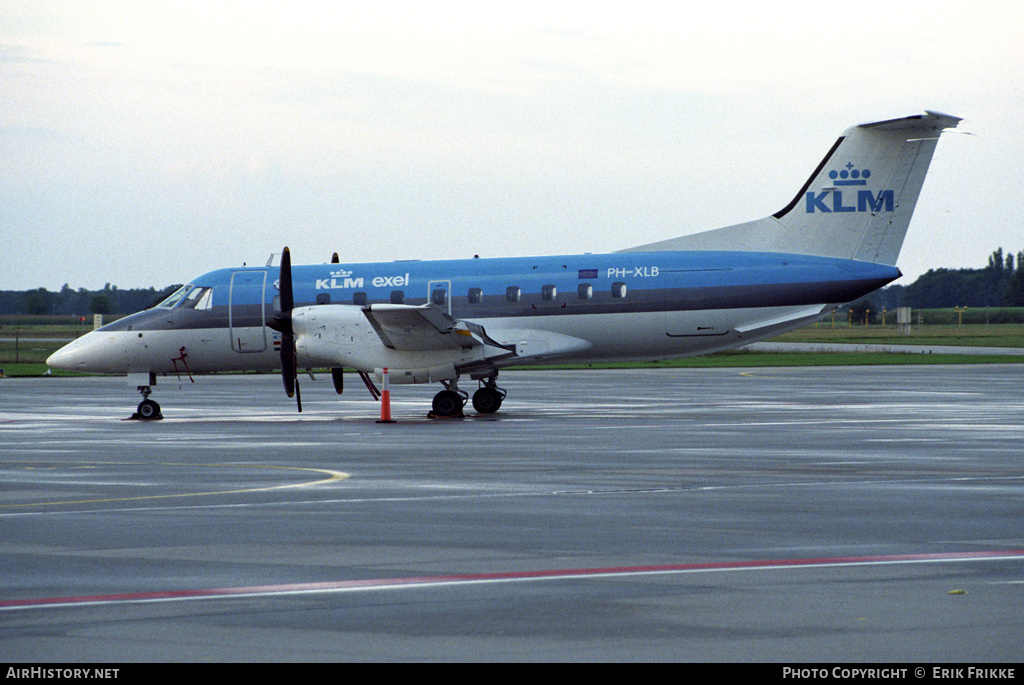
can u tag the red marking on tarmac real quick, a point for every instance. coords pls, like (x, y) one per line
(512, 576)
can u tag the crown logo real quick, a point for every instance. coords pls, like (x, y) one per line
(849, 176)
(341, 274)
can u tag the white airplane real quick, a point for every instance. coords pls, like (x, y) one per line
(443, 321)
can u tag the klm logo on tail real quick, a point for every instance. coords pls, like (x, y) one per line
(866, 200)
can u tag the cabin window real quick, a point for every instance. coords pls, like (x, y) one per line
(585, 291)
(548, 292)
(323, 298)
(618, 290)
(513, 293)
(359, 298)
(475, 295)
(439, 296)
(397, 297)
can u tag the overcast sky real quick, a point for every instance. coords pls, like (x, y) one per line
(143, 144)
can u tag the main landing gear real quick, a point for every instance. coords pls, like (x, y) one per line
(487, 399)
(450, 402)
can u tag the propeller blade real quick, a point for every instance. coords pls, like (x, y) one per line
(282, 319)
(282, 322)
(285, 284)
(288, 365)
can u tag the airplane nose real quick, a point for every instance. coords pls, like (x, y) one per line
(77, 355)
(63, 359)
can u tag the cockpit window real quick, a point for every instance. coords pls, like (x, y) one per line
(176, 297)
(199, 298)
(189, 297)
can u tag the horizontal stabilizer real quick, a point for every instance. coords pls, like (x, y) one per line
(781, 320)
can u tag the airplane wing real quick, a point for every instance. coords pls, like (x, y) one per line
(414, 328)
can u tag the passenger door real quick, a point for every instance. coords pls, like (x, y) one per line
(247, 311)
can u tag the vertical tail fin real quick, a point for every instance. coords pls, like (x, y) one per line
(856, 205)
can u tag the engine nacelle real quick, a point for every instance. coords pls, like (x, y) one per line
(341, 335)
(325, 334)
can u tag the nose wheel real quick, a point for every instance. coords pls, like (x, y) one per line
(148, 409)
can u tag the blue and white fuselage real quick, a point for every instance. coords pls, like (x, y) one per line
(439, 321)
(643, 305)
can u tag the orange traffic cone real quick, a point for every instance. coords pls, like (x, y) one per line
(385, 401)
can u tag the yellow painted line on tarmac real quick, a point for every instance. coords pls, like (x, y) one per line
(332, 476)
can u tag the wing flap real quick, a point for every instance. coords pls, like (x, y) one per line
(414, 328)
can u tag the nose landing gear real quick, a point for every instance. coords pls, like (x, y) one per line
(148, 409)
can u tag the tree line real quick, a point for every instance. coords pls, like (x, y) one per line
(81, 302)
(999, 284)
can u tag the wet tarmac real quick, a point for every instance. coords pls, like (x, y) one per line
(832, 514)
